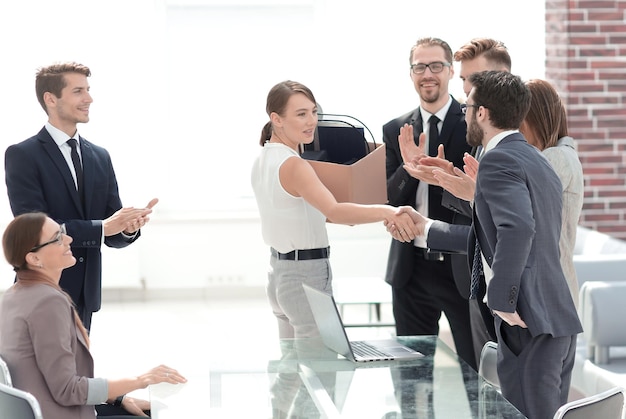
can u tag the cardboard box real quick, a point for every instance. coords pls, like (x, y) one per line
(362, 182)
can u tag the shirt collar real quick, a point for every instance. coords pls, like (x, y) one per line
(59, 136)
(441, 113)
(495, 140)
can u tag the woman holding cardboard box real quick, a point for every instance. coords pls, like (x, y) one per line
(294, 206)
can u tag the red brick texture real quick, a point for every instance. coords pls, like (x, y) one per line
(586, 62)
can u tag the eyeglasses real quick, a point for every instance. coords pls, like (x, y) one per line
(435, 67)
(464, 109)
(58, 238)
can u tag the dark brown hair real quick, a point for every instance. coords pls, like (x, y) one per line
(504, 94)
(21, 235)
(546, 118)
(51, 79)
(277, 100)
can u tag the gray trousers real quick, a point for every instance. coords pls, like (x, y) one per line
(535, 372)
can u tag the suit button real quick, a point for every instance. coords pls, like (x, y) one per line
(512, 301)
(514, 287)
(81, 259)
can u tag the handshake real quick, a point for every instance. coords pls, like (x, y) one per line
(406, 224)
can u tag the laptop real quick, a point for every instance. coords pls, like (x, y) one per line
(335, 338)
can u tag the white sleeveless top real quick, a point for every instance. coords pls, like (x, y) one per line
(287, 222)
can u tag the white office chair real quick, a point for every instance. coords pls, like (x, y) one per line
(488, 367)
(487, 370)
(5, 375)
(18, 404)
(605, 405)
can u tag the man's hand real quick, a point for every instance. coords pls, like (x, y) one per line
(512, 319)
(128, 220)
(471, 166)
(424, 168)
(410, 152)
(458, 184)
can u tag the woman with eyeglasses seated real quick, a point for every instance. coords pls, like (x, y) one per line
(43, 340)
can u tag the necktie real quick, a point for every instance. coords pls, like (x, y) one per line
(434, 192)
(433, 135)
(477, 271)
(78, 168)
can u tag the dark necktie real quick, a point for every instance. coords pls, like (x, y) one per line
(78, 168)
(433, 135)
(477, 271)
(434, 192)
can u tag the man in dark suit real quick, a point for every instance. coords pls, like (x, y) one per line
(479, 54)
(423, 282)
(517, 223)
(73, 183)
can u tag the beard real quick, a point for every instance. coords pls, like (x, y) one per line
(475, 134)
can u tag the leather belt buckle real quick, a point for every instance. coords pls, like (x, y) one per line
(430, 256)
(434, 256)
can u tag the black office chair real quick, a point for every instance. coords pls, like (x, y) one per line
(606, 405)
(5, 375)
(18, 404)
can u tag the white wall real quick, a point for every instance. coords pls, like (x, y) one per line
(180, 87)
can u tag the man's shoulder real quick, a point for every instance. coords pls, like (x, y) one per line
(29, 145)
(407, 118)
(86, 144)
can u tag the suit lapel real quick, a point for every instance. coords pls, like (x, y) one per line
(450, 123)
(52, 149)
(418, 125)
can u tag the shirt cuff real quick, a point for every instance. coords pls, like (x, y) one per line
(130, 236)
(97, 391)
(427, 228)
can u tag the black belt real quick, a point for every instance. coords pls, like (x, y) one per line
(306, 254)
(428, 255)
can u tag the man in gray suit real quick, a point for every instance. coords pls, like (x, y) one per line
(516, 222)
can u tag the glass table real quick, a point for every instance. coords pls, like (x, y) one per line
(310, 381)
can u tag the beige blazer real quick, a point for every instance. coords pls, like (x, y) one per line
(46, 353)
(566, 164)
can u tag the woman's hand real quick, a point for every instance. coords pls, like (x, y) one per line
(161, 374)
(135, 406)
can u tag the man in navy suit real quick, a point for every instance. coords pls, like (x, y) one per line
(423, 284)
(73, 183)
(517, 224)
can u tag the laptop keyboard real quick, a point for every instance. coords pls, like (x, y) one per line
(364, 351)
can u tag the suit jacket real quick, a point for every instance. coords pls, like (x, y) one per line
(517, 221)
(39, 179)
(565, 163)
(45, 352)
(402, 187)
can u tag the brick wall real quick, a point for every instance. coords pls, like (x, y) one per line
(586, 62)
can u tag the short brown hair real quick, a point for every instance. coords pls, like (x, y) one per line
(432, 42)
(505, 96)
(51, 79)
(494, 51)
